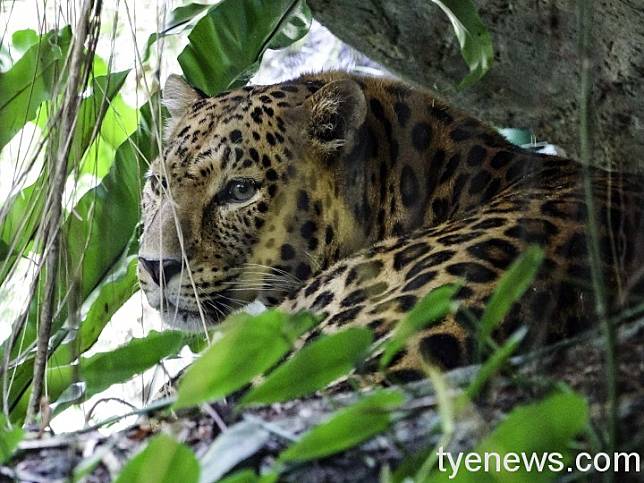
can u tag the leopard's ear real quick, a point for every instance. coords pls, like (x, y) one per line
(178, 95)
(334, 114)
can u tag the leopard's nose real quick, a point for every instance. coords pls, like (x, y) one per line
(166, 268)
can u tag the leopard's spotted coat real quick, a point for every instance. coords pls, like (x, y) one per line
(366, 194)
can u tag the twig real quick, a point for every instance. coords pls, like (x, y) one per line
(90, 413)
(78, 68)
(210, 411)
(585, 9)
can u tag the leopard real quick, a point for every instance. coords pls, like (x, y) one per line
(353, 197)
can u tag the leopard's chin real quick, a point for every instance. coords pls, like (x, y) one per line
(187, 320)
(195, 321)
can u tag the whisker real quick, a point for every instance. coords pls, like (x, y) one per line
(314, 261)
(276, 270)
(279, 289)
(268, 276)
(261, 284)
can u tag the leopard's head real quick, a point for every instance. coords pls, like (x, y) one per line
(246, 202)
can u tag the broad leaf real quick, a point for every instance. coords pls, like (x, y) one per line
(226, 46)
(58, 380)
(115, 289)
(21, 41)
(26, 208)
(179, 20)
(119, 123)
(9, 439)
(473, 37)
(347, 427)
(31, 81)
(313, 367)
(430, 309)
(295, 27)
(249, 346)
(111, 210)
(74, 394)
(163, 460)
(106, 368)
(92, 111)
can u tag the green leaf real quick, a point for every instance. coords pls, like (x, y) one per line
(226, 46)
(241, 476)
(179, 20)
(313, 367)
(25, 210)
(9, 439)
(296, 26)
(106, 368)
(74, 394)
(58, 380)
(473, 37)
(22, 40)
(347, 427)
(4, 250)
(431, 308)
(162, 461)
(91, 112)
(512, 285)
(31, 81)
(536, 431)
(111, 210)
(249, 346)
(493, 364)
(272, 477)
(20, 221)
(119, 122)
(113, 291)
(27, 207)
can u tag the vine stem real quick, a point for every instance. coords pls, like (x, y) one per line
(585, 12)
(78, 68)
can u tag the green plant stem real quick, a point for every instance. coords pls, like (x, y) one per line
(585, 12)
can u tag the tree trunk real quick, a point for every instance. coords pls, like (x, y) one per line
(534, 81)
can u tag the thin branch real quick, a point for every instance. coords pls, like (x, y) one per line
(79, 68)
(585, 8)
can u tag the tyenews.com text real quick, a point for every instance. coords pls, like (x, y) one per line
(511, 462)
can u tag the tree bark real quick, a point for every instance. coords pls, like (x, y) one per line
(534, 80)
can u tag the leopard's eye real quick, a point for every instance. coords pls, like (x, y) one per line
(240, 190)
